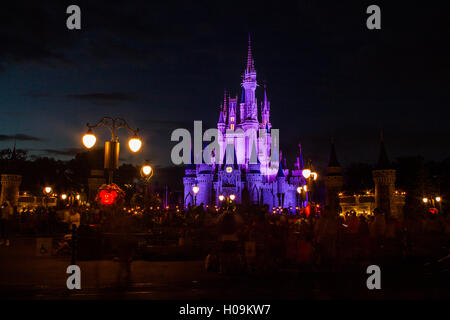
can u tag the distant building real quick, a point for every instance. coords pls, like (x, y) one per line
(386, 198)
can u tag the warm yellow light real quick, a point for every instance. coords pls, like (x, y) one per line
(78, 197)
(306, 173)
(64, 196)
(425, 200)
(221, 197)
(229, 169)
(135, 144)
(438, 199)
(47, 190)
(314, 175)
(146, 170)
(305, 188)
(195, 189)
(89, 140)
(232, 197)
(299, 189)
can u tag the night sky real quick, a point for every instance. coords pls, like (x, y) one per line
(162, 65)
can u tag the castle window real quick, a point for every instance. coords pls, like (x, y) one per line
(232, 127)
(232, 119)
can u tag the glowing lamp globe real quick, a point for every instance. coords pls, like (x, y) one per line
(64, 196)
(425, 200)
(232, 197)
(306, 173)
(146, 170)
(299, 189)
(221, 197)
(47, 190)
(89, 140)
(78, 197)
(135, 144)
(438, 199)
(195, 189)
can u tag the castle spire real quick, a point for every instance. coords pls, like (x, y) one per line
(250, 62)
(383, 160)
(280, 173)
(265, 94)
(300, 165)
(333, 162)
(221, 115)
(225, 109)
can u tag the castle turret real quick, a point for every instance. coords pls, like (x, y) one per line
(384, 178)
(333, 181)
(232, 120)
(265, 111)
(281, 180)
(221, 122)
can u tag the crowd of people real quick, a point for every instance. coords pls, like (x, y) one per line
(246, 238)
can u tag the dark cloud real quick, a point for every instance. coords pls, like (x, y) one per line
(61, 152)
(19, 137)
(104, 97)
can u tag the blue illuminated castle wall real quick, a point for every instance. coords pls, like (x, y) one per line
(257, 182)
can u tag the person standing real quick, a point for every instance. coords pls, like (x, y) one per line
(6, 212)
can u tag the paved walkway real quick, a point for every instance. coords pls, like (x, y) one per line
(23, 275)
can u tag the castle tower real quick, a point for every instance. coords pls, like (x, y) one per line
(11, 181)
(384, 179)
(10, 188)
(249, 84)
(254, 177)
(333, 181)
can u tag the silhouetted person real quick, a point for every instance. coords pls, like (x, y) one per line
(6, 213)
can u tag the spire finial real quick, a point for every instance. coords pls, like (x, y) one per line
(250, 62)
(332, 161)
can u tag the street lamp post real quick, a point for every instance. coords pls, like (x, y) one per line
(195, 189)
(299, 192)
(47, 191)
(309, 177)
(112, 146)
(146, 173)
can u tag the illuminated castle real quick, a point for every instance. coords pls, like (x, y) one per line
(249, 166)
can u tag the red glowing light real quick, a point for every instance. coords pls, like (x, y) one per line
(308, 210)
(108, 197)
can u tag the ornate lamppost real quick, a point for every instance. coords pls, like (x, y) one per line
(195, 189)
(112, 146)
(146, 173)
